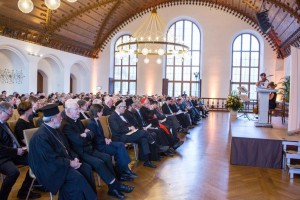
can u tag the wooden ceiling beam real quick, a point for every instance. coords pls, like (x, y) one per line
(51, 28)
(105, 21)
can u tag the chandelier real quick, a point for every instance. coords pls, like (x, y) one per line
(149, 40)
(26, 6)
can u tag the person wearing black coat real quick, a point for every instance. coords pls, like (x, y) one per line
(106, 145)
(80, 140)
(56, 165)
(124, 132)
(11, 155)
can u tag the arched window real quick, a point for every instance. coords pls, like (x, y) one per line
(124, 69)
(245, 63)
(181, 72)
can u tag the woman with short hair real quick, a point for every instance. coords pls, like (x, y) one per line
(25, 110)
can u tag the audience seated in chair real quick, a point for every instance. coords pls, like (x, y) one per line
(106, 145)
(55, 164)
(120, 128)
(81, 141)
(25, 110)
(12, 154)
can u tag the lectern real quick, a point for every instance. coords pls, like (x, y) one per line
(263, 98)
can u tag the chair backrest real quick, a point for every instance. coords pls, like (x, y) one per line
(40, 114)
(35, 120)
(85, 122)
(105, 126)
(12, 125)
(28, 133)
(15, 116)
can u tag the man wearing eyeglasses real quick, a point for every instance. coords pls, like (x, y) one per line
(11, 155)
(124, 132)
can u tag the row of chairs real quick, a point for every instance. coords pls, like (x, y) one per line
(28, 133)
(107, 132)
(291, 151)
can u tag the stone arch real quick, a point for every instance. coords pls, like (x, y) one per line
(52, 71)
(14, 70)
(80, 74)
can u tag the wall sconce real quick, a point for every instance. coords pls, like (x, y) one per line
(98, 87)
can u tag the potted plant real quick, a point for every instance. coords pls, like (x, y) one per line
(285, 89)
(233, 103)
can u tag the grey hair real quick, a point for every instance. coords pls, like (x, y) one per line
(5, 105)
(71, 103)
(107, 99)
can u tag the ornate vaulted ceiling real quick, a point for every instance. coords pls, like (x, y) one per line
(85, 27)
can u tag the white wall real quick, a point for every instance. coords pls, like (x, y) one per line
(218, 31)
(56, 64)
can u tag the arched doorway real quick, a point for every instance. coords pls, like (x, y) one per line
(13, 70)
(79, 78)
(51, 70)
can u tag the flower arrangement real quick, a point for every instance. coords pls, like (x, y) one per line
(285, 89)
(233, 102)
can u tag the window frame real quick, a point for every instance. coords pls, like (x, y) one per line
(122, 66)
(193, 82)
(249, 66)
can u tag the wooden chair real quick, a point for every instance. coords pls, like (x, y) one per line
(85, 122)
(107, 133)
(35, 120)
(12, 125)
(28, 133)
(280, 111)
(291, 154)
(15, 116)
(105, 126)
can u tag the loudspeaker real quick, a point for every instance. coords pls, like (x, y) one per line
(263, 21)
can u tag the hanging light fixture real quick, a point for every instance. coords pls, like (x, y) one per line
(52, 4)
(149, 40)
(26, 6)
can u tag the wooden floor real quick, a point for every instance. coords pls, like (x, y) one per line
(201, 170)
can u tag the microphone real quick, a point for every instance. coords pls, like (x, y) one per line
(269, 75)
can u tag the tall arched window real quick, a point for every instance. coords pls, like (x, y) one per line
(245, 63)
(181, 72)
(124, 69)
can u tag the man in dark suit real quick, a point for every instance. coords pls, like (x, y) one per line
(106, 145)
(108, 106)
(120, 132)
(55, 165)
(81, 142)
(11, 155)
(169, 108)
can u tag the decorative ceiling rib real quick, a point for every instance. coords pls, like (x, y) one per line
(86, 27)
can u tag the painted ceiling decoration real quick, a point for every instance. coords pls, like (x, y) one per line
(86, 26)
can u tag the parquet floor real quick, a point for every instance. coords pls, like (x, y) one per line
(201, 171)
